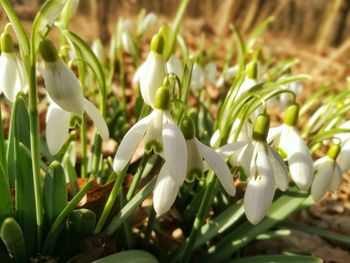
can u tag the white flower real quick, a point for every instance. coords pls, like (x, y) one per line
(285, 98)
(344, 154)
(58, 121)
(163, 136)
(174, 65)
(146, 23)
(327, 177)
(264, 169)
(12, 75)
(63, 86)
(288, 140)
(197, 78)
(97, 48)
(246, 85)
(227, 75)
(51, 15)
(153, 71)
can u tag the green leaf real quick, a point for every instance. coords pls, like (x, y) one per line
(126, 211)
(318, 231)
(59, 223)
(282, 207)
(12, 236)
(54, 192)
(20, 170)
(6, 208)
(278, 258)
(129, 256)
(258, 31)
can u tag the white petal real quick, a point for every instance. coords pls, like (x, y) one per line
(97, 118)
(210, 72)
(175, 152)
(228, 149)
(260, 191)
(244, 158)
(129, 144)
(146, 23)
(298, 156)
(336, 178)
(165, 192)
(57, 127)
(280, 171)
(10, 76)
(64, 87)
(138, 73)
(322, 179)
(174, 65)
(344, 157)
(273, 134)
(246, 85)
(194, 158)
(152, 77)
(217, 163)
(197, 78)
(154, 131)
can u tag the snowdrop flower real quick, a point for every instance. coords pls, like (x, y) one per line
(146, 23)
(163, 136)
(65, 91)
(289, 142)
(227, 75)
(12, 76)
(197, 78)
(51, 15)
(285, 98)
(152, 72)
(250, 79)
(327, 175)
(263, 167)
(97, 48)
(174, 65)
(344, 154)
(322, 114)
(197, 151)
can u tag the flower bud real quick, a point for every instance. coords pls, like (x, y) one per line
(6, 43)
(261, 127)
(157, 44)
(291, 115)
(252, 70)
(162, 99)
(48, 51)
(334, 151)
(187, 127)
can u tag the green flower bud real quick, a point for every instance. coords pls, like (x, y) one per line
(261, 127)
(157, 44)
(48, 51)
(162, 99)
(334, 151)
(252, 69)
(6, 43)
(291, 115)
(187, 127)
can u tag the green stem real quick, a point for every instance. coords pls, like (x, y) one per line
(208, 197)
(83, 141)
(34, 141)
(150, 226)
(110, 202)
(137, 178)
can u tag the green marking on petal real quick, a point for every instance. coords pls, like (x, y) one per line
(282, 153)
(76, 120)
(194, 173)
(241, 173)
(153, 145)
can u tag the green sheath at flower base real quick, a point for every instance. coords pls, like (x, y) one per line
(48, 51)
(261, 127)
(291, 115)
(162, 99)
(157, 44)
(257, 55)
(252, 69)
(6, 43)
(187, 127)
(334, 151)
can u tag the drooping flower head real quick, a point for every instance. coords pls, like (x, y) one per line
(162, 136)
(65, 91)
(327, 174)
(153, 70)
(288, 141)
(12, 75)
